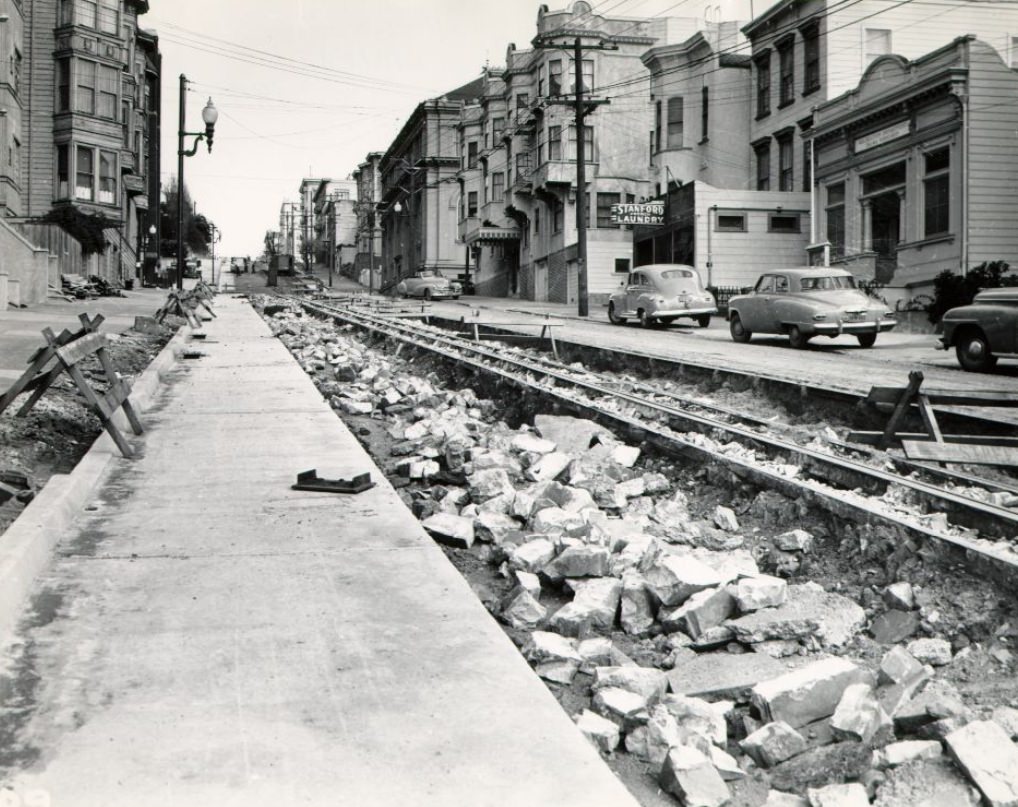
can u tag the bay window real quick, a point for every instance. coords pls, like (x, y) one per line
(84, 175)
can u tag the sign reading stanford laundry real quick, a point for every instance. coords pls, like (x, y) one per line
(642, 213)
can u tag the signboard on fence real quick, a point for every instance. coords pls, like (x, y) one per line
(642, 213)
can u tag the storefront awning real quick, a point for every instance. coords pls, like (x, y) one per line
(490, 234)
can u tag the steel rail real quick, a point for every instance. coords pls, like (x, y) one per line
(817, 490)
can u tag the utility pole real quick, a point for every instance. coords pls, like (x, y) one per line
(581, 107)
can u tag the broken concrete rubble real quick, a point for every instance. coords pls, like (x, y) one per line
(762, 591)
(674, 578)
(990, 759)
(593, 607)
(859, 715)
(703, 610)
(603, 733)
(808, 611)
(809, 693)
(773, 743)
(450, 528)
(646, 681)
(689, 775)
(851, 794)
(624, 708)
(524, 611)
(895, 754)
(723, 675)
(936, 652)
(636, 611)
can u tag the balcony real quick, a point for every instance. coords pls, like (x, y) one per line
(560, 172)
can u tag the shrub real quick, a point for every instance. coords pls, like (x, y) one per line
(951, 289)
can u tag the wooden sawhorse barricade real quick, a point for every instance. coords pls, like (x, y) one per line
(185, 304)
(933, 445)
(547, 331)
(69, 348)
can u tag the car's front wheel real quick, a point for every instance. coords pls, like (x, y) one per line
(645, 321)
(867, 339)
(739, 333)
(703, 320)
(973, 352)
(796, 338)
(613, 316)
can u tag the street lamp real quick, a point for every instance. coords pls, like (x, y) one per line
(209, 115)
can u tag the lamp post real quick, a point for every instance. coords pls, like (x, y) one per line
(209, 115)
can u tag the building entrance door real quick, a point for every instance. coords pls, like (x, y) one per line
(885, 218)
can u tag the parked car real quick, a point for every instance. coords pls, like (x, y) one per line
(660, 293)
(807, 302)
(192, 267)
(429, 284)
(983, 330)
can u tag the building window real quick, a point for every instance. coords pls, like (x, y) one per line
(622, 266)
(522, 100)
(807, 165)
(497, 127)
(86, 12)
(537, 220)
(785, 173)
(555, 77)
(763, 86)
(811, 58)
(835, 211)
(1014, 52)
(109, 16)
(763, 166)
(604, 208)
(16, 70)
(497, 186)
(554, 142)
(877, 43)
(558, 211)
(16, 160)
(472, 205)
(472, 154)
(109, 87)
(936, 193)
(730, 222)
(85, 87)
(783, 223)
(657, 126)
(84, 176)
(704, 114)
(108, 177)
(63, 172)
(588, 143)
(675, 122)
(63, 85)
(786, 70)
(587, 74)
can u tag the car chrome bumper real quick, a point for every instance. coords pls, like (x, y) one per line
(683, 312)
(837, 328)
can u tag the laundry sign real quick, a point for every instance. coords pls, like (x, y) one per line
(638, 213)
(881, 136)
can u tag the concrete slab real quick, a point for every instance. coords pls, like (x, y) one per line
(206, 636)
(723, 675)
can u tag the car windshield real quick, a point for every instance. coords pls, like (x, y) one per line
(827, 283)
(676, 280)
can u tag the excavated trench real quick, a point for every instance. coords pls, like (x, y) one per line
(855, 563)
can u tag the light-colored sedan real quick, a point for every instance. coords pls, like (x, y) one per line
(429, 284)
(660, 293)
(808, 302)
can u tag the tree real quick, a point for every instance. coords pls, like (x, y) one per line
(197, 228)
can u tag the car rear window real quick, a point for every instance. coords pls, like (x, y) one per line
(828, 283)
(679, 280)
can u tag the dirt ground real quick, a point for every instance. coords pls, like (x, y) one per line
(60, 428)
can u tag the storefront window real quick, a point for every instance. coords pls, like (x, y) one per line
(836, 218)
(936, 193)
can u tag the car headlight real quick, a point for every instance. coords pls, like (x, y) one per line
(890, 315)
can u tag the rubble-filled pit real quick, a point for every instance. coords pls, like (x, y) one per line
(718, 643)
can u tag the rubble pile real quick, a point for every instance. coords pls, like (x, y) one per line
(742, 691)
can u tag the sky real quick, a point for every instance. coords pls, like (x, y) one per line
(347, 75)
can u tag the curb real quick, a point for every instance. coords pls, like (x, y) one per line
(27, 545)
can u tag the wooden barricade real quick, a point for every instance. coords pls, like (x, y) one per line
(184, 304)
(933, 445)
(68, 348)
(547, 331)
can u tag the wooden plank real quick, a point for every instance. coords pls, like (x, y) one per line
(929, 419)
(960, 453)
(82, 348)
(40, 383)
(872, 438)
(957, 397)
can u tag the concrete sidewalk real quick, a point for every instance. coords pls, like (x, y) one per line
(208, 637)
